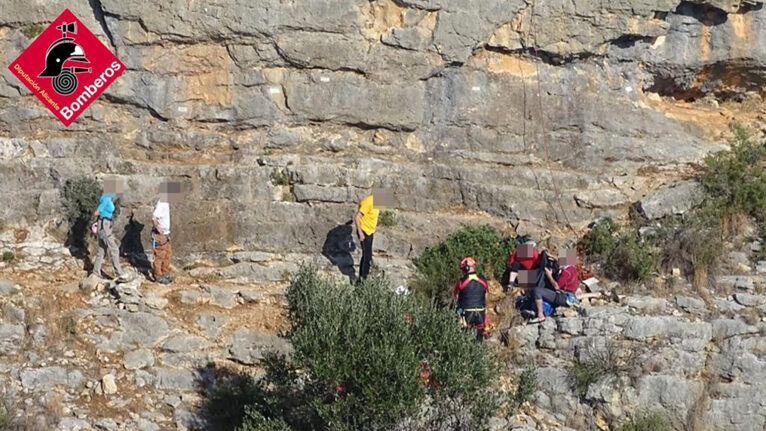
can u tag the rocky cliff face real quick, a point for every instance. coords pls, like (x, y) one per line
(543, 114)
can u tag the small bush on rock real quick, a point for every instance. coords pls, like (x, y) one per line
(646, 422)
(620, 252)
(279, 178)
(582, 374)
(79, 199)
(8, 256)
(599, 241)
(735, 181)
(387, 218)
(6, 423)
(437, 268)
(527, 386)
(630, 258)
(368, 359)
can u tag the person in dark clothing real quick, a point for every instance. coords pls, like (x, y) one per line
(471, 294)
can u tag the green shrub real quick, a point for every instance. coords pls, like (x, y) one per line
(527, 386)
(620, 252)
(691, 242)
(438, 267)
(255, 421)
(32, 31)
(79, 199)
(735, 181)
(582, 374)
(387, 218)
(630, 258)
(227, 397)
(599, 241)
(8, 256)
(279, 178)
(646, 422)
(6, 423)
(366, 358)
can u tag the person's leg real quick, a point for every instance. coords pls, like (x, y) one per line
(157, 263)
(481, 324)
(161, 257)
(513, 271)
(99, 260)
(166, 261)
(112, 248)
(540, 293)
(364, 265)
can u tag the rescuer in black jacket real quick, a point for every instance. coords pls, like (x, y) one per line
(471, 294)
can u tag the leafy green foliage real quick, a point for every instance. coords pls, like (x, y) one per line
(620, 251)
(79, 199)
(736, 180)
(8, 256)
(227, 397)
(387, 218)
(690, 242)
(599, 241)
(366, 358)
(438, 267)
(255, 421)
(735, 185)
(630, 258)
(526, 387)
(6, 423)
(582, 374)
(646, 422)
(279, 178)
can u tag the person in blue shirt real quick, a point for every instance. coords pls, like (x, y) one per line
(106, 240)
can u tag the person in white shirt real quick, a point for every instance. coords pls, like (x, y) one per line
(161, 233)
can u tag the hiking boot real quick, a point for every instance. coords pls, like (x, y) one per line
(163, 279)
(537, 320)
(123, 278)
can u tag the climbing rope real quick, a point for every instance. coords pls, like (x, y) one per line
(556, 189)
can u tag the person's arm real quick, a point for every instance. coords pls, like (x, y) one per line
(156, 223)
(549, 274)
(358, 223)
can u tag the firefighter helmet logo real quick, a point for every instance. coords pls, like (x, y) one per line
(62, 59)
(67, 67)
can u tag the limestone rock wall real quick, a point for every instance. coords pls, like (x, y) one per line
(539, 113)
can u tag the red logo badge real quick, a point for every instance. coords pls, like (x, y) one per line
(67, 67)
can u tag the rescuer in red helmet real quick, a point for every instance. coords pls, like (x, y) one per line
(471, 294)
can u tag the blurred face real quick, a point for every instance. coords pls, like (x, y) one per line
(568, 257)
(114, 185)
(527, 278)
(170, 192)
(525, 251)
(382, 198)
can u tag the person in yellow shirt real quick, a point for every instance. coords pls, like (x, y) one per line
(366, 221)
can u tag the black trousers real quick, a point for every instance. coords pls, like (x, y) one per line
(364, 265)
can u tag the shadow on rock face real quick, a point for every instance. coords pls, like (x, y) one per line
(131, 246)
(337, 249)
